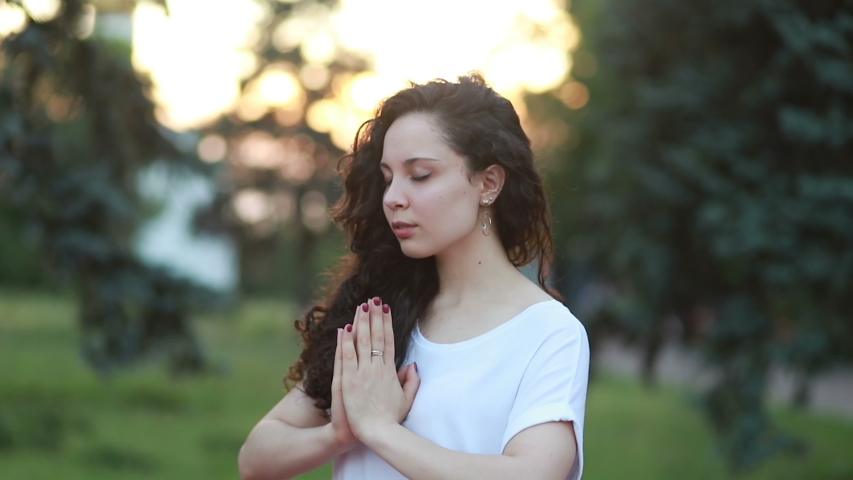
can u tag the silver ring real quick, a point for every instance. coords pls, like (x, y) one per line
(375, 353)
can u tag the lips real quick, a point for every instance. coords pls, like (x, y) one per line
(403, 229)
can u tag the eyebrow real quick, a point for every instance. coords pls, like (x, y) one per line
(410, 161)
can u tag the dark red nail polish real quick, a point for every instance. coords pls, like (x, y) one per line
(377, 301)
(349, 328)
(364, 307)
(416, 367)
(386, 309)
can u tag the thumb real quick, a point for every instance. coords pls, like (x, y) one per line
(401, 375)
(410, 386)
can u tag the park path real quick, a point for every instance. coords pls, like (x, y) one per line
(831, 393)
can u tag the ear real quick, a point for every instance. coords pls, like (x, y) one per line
(491, 183)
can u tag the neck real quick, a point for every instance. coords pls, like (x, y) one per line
(475, 269)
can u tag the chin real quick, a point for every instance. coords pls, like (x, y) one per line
(413, 251)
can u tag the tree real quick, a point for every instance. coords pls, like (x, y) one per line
(76, 127)
(713, 184)
(282, 166)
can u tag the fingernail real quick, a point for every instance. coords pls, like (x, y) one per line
(364, 307)
(377, 301)
(416, 367)
(349, 328)
(386, 308)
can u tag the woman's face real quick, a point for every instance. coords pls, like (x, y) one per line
(429, 200)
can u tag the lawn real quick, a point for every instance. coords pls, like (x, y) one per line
(60, 421)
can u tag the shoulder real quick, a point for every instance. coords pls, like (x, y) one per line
(553, 319)
(553, 331)
(545, 316)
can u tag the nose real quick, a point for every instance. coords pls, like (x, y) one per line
(394, 196)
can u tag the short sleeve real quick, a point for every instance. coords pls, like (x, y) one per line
(554, 386)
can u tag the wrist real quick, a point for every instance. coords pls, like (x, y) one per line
(377, 434)
(337, 445)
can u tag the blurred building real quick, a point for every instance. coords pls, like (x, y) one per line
(168, 238)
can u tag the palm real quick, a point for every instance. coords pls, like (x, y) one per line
(340, 423)
(374, 392)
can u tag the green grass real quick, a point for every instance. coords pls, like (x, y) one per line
(62, 421)
(632, 432)
(58, 420)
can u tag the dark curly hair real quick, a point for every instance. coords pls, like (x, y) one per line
(483, 127)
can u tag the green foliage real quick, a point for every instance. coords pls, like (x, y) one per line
(20, 263)
(714, 185)
(31, 420)
(76, 127)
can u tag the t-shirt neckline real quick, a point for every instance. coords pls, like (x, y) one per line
(424, 342)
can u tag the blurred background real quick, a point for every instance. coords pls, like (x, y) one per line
(166, 169)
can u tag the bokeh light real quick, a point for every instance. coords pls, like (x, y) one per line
(198, 55)
(42, 10)
(13, 19)
(314, 207)
(252, 205)
(574, 95)
(212, 148)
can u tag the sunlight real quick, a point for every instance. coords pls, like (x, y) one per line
(42, 10)
(252, 205)
(13, 19)
(278, 87)
(199, 54)
(195, 56)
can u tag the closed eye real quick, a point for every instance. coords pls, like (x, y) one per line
(421, 178)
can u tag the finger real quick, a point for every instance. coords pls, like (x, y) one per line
(413, 382)
(362, 334)
(388, 328)
(349, 358)
(377, 329)
(401, 375)
(337, 391)
(336, 375)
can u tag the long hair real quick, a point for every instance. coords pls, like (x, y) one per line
(483, 127)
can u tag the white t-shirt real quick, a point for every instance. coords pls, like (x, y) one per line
(476, 395)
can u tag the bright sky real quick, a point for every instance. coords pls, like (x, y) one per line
(198, 54)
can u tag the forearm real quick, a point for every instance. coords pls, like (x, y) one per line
(420, 459)
(277, 450)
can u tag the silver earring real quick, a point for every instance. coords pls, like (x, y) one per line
(487, 201)
(487, 223)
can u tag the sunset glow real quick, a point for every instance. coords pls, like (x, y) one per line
(198, 55)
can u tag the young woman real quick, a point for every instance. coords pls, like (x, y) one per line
(433, 356)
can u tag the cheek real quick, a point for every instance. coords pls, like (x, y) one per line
(451, 204)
